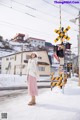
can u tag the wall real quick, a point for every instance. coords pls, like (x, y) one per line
(15, 61)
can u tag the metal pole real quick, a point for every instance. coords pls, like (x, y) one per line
(21, 61)
(61, 43)
(73, 65)
(79, 48)
(60, 16)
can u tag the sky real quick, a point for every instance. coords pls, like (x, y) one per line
(37, 18)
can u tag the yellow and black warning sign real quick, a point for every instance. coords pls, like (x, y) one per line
(62, 34)
(69, 65)
(58, 81)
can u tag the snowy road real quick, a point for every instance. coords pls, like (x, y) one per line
(11, 94)
(51, 105)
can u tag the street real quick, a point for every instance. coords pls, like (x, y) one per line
(12, 94)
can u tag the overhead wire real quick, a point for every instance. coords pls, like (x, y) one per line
(23, 12)
(35, 9)
(58, 7)
(26, 13)
(32, 9)
(28, 29)
(74, 7)
(17, 10)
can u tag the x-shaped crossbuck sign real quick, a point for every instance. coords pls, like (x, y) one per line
(69, 65)
(62, 34)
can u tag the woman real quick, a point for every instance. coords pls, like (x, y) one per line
(32, 75)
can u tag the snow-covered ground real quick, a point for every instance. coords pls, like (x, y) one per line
(51, 105)
(8, 80)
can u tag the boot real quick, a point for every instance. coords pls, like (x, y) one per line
(32, 102)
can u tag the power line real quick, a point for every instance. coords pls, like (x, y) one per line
(29, 29)
(19, 26)
(39, 10)
(34, 10)
(58, 7)
(74, 7)
(24, 5)
(24, 12)
(32, 30)
(18, 10)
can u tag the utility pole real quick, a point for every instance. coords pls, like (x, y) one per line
(79, 48)
(74, 21)
(21, 60)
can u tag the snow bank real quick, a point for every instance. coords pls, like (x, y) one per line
(12, 80)
(7, 80)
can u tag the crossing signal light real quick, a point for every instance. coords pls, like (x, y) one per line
(60, 53)
(68, 46)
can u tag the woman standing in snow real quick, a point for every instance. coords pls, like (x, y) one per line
(32, 75)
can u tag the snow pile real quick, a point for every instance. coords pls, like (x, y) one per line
(12, 80)
(8, 80)
(6, 52)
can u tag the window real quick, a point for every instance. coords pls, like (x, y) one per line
(39, 57)
(27, 57)
(19, 37)
(11, 58)
(23, 66)
(41, 68)
(7, 58)
(15, 57)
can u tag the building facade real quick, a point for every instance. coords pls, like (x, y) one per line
(19, 37)
(49, 46)
(75, 65)
(15, 63)
(35, 42)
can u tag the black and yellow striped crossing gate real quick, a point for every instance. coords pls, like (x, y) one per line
(58, 81)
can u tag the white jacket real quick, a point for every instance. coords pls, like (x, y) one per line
(32, 68)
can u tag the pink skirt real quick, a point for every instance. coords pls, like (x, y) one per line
(32, 86)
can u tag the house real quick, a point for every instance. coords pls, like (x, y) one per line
(75, 64)
(19, 37)
(35, 42)
(49, 46)
(0, 64)
(15, 63)
(50, 49)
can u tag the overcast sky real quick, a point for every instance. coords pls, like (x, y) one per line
(36, 18)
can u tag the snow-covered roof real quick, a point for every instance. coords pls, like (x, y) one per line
(17, 43)
(13, 53)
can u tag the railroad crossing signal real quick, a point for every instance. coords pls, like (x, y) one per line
(62, 34)
(69, 65)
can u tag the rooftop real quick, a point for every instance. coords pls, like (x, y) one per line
(32, 38)
(21, 52)
(49, 44)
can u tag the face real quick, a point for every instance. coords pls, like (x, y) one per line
(33, 55)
